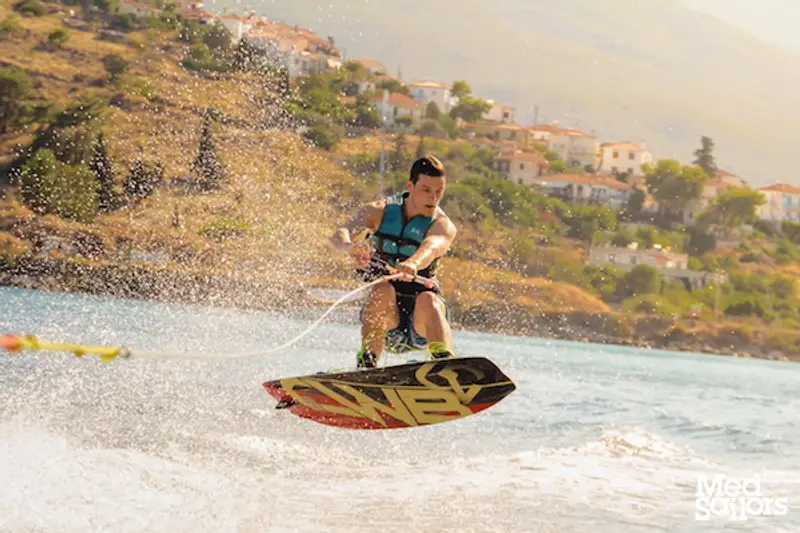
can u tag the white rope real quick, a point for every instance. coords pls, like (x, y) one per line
(177, 355)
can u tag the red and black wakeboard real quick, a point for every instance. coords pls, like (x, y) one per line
(401, 396)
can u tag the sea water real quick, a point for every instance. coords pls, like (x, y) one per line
(596, 438)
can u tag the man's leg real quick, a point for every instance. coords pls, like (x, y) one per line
(380, 315)
(430, 322)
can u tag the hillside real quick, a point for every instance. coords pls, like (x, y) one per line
(652, 71)
(261, 239)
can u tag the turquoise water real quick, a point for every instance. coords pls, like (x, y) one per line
(595, 438)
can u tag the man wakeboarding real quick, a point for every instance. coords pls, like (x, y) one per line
(408, 232)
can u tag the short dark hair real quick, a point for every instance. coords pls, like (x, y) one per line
(429, 165)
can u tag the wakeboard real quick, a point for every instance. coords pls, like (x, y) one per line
(399, 396)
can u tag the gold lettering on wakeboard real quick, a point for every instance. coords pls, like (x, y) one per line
(429, 405)
(465, 396)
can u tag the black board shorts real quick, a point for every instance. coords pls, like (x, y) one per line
(404, 337)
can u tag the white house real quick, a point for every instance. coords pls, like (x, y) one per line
(629, 257)
(586, 188)
(710, 191)
(622, 158)
(522, 168)
(238, 26)
(432, 91)
(782, 203)
(542, 132)
(730, 178)
(398, 105)
(574, 147)
(376, 67)
(500, 113)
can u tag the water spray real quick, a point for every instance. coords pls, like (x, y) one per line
(19, 342)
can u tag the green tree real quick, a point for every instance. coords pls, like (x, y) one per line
(420, 147)
(142, 180)
(431, 128)
(731, 208)
(106, 177)
(635, 202)
(673, 185)
(57, 38)
(641, 279)
(460, 89)
(470, 109)
(51, 187)
(16, 89)
(115, 65)
(30, 8)
(218, 37)
(10, 27)
(393, 86)
(209, 171)
(399, 158)
(432, 111)
(705, 156)
(448, 124)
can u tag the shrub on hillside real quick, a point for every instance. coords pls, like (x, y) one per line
(30, 8)
(641, 279)
(51, 187)
(142, 180)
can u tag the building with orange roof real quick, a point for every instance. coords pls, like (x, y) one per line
(432, 91)
(622, 158)
(574, 146)
(520, 167)
(499, 132)
(729, 177)
(372, 65)
(500, 113)
(398, 105)
(782, 203)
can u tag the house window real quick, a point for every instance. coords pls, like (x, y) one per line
(631, 156)
(519, 181)
(615, 155)
(522, 166)
(614, 170)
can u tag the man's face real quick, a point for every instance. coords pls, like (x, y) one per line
(426, 193)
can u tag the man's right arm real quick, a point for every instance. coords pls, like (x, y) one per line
(367, 217)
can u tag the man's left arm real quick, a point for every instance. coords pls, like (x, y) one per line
(435, 245)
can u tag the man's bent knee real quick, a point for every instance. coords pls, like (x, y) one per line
(429, 304)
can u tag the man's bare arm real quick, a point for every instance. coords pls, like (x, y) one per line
(367, 217)
(435, 244)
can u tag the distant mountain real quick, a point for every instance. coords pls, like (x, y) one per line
(653, 71)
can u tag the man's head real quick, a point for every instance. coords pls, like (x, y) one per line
(426, 185)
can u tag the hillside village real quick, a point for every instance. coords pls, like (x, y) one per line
(570, 234)
(609, 171)
(304, 53)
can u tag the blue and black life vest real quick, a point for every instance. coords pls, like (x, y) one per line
(397, 239)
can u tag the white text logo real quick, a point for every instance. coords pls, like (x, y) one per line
(721, 497)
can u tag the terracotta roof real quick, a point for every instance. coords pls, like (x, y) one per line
(572, 133)
(718, 184)
(397, 100)
(623, 146)
(383, 76)
(430, 84)
(586, 179)
(781, 187)
(369, 63)
(724, 174)
(546, 128)
(533, 157)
